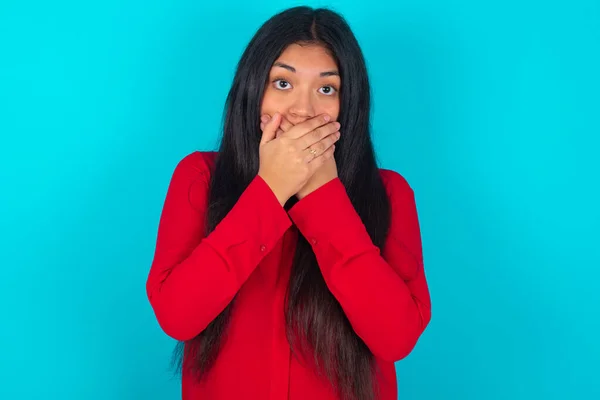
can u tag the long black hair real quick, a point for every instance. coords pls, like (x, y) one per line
(315, 320)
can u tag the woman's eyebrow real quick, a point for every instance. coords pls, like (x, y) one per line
(292, 69)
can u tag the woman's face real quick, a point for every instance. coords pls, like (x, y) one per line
(303, 82)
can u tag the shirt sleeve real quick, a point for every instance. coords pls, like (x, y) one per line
(384, 296)
(193, 277)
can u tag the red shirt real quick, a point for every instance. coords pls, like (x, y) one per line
(193, 277)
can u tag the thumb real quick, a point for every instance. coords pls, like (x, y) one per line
(271, 129)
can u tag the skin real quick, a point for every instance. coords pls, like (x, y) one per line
(304, 83)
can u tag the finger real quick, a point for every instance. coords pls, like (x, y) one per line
(263, 120)
(321, 147)
(270, 129)
(319, 160)
(285, 124)
(307, 126)
(319, 134)
(279, 130)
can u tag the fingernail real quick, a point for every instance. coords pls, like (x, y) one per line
(264, 118)
(326, 118)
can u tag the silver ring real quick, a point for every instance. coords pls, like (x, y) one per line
(313, 152)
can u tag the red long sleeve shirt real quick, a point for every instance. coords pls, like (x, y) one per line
(193, 277)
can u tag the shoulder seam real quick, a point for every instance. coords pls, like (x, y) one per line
(395, 178)
(196, 161)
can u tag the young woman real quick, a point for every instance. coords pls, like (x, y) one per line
(287, 264)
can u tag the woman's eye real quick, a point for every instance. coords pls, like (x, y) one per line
(281, 84)
(328, 90)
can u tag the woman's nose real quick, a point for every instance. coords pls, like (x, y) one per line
(302, 106)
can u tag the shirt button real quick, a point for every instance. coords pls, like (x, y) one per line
(263, 247)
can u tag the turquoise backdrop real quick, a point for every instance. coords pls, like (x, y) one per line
(489, 109)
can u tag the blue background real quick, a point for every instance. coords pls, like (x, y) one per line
(489, 109)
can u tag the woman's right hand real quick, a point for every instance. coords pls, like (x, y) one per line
(286, 162)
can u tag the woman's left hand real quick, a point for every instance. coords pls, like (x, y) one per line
(326, 173)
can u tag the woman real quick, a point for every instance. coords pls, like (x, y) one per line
(284, 271)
